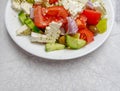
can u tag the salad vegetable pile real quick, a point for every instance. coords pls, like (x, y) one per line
(61, 24)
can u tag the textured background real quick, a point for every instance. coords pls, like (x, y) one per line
(98, 71)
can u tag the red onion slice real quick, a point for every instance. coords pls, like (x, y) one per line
(72, 26)
(89, 5)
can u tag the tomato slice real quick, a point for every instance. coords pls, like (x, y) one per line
(93, 16)
(53, 1)
(39, 19)
(57, 11)
(36, 5)
(86, 35)
(43, 16)
(81, 21)
(65, 25)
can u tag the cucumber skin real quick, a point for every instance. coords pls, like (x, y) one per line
(22, 17)
(32, 26)
(102, 26)
(54, 46)
(74, 43)
(29, 23)
(25, 20)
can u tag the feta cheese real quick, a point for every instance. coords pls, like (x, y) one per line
(38, 1)
(74, 6)
(24, 30)
(100, 7)
(53, 30)
(83, 1)
(52, 33)
(36, 37)
(41, 38)
(16, 5)
(25, 6)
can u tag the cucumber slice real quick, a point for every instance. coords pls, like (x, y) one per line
(29, 23)
(102, 26)
(54, 46)
(37, 30)
(32, 26)
(22, 17)
(75, 43)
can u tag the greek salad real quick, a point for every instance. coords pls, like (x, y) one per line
(61, 24)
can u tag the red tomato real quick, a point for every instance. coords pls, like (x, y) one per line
(81, 21)
(39, 20)
(93, 16)
(65, 25)
(57, 11)
(36, 4)
(43, 16)
(53, 1)
(86, 35)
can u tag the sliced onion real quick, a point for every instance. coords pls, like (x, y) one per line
(32, 13)
(89, 5)
(72, 26)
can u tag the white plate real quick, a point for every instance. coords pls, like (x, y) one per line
(12, 24)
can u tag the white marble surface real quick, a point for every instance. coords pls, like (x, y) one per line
(98, 71)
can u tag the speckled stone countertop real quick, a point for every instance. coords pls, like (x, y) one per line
(97, 71)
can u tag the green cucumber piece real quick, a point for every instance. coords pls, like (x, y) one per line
(22, 17)
(102, 26)
(37, 30)
(32, 26)
(74, 43)
(54, 46)
(29, 23)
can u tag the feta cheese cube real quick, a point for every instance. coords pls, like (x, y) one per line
(16, 5)
(100, 7)
(24, 30)
(74, 6)
(38, 1)
(52, 33)
(41, 38)
(25, 6)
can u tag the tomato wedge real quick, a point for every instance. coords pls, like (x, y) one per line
(43, 16)
(86, 35)
(93, 16)
(53, 1)
(39, 19)
(81, 21)
(57, 11)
